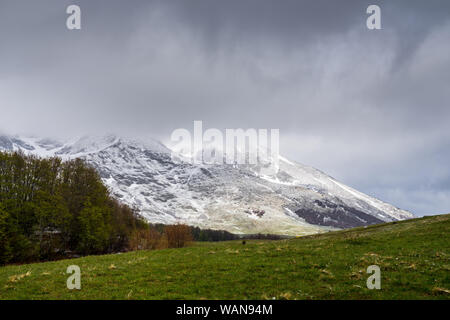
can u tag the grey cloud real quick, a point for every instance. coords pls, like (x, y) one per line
(369, 107)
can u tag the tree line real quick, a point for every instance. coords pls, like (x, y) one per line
(51, 209)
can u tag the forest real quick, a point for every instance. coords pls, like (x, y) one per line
(51, 209)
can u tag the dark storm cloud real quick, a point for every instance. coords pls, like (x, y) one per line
(369, 107)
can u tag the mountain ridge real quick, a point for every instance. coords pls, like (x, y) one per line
(297, 200)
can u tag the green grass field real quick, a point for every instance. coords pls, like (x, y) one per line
(413, 255)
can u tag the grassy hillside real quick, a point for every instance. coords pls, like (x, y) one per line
(414, 257)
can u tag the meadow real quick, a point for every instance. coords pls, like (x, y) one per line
(413, 256)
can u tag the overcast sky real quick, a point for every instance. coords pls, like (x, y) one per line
(369, 107)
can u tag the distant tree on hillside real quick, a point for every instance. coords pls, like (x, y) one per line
(178, 236)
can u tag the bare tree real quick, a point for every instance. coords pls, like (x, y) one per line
(178, 235)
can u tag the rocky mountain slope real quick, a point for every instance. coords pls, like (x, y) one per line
(297, 200)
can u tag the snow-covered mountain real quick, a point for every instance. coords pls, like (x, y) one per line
(297, 200)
